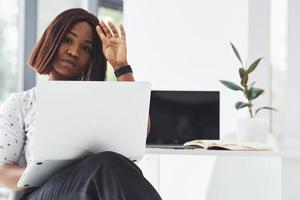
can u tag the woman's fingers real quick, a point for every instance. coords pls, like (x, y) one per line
(100, 32)
(105, 29)
(109, 35)
(110, 31)
(101, 35)
(113, 29)
(123, 35)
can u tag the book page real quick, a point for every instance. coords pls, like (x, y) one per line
(228, 145)
(196, 143)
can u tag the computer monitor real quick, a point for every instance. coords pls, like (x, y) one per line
(181, 116)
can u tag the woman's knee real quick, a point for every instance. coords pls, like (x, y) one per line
(106, 159)
(107, 163)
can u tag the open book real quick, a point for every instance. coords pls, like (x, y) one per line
(227, 145)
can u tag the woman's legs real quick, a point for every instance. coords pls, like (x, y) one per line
(104, 176)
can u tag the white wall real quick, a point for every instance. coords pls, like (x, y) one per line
(185, 45)
(292, 119)
(259, 46)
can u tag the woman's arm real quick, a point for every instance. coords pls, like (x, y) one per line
(115, 50)
(12, 137)
(10, 175)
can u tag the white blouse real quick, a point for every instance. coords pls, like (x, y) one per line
(17, 118)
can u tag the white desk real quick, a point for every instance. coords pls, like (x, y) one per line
(290, 164)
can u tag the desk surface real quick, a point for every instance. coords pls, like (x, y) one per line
(280, 154)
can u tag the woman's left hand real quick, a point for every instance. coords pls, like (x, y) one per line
(113, 46)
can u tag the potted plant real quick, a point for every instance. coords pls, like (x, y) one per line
(251, 129)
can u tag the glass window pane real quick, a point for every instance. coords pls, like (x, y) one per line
(9, 40)
(9, 20)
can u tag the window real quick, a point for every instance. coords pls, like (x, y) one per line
(9, 20)
(9, 31)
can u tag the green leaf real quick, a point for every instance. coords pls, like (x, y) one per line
(253, 66)
(240, 104)
(244, 76)
(254, 93)
(231, 85)
(236, 53)
(266, 108)
(242, 72)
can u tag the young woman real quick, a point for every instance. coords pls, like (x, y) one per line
(75, 46)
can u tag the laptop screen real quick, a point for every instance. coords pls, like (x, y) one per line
(181, 116)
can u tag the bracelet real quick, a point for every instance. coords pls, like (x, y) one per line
(123, 70)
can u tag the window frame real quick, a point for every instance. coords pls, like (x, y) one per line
(28, 37)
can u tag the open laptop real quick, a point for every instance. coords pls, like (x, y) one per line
(181, 116)
(77, 118)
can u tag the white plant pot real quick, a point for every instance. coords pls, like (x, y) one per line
(253, 129)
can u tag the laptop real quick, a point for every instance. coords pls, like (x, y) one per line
(77, 118)
(181, 116)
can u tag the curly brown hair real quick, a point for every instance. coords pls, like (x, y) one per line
(45, 51)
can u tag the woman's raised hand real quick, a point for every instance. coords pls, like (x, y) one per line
(113, 45)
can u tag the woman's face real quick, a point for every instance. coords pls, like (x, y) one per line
(74, 53)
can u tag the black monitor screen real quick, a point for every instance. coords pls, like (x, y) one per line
(181, 116)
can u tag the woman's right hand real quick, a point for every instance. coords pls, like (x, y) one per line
(10, 175)
(113, 45)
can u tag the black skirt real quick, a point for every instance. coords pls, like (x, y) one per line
(104, 176)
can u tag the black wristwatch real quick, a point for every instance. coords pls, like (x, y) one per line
(123, 70)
